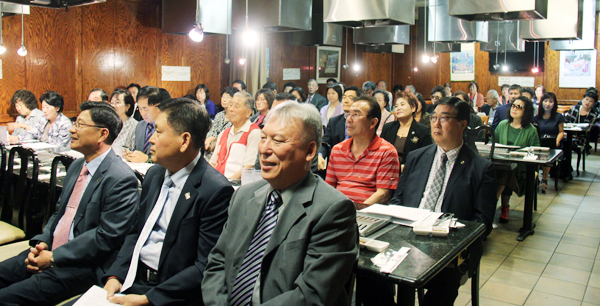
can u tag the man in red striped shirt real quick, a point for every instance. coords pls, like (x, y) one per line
(364, 167)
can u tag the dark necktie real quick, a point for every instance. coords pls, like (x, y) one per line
(149, 132)
(436, 187)
(248, 273)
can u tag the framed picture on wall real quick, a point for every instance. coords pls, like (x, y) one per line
(577, 69)
(328, 63)
(462, 64)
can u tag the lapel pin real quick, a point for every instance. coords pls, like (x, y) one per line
(187, 196)
(415, 139)
(462, 162)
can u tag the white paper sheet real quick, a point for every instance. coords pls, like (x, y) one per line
(140, 167)
(95, 296)
(39, 145)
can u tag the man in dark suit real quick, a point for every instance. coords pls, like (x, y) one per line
(289, 240)
(148, 100)
(182, 212)
(313, 97)
(449, 177)
(335, 132)
(491, 104)
(514, 91)
(94, 214)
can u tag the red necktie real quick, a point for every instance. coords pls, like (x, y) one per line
(61, 234)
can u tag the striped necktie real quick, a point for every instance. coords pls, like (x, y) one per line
(149, 132)
(248, 273)
(436, 186)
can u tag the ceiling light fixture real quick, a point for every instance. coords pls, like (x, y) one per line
(22, 50)
(227, 60)
(346, 64)
(2, 47)
(197, 32)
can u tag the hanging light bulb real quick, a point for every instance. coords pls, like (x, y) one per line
(2, 47)
(505, 67)
(250, 37)
(434, 59)
(242, 61)
(356, 67)
(425, 58)
(197, 33)
(22, 51)
(535, 70)
(416, 69)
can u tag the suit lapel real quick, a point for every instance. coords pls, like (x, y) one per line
(251, 210)
(154, 192)
(422, 176)
(341, 127)
(459, 166)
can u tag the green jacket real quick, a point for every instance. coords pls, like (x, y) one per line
(527, 136)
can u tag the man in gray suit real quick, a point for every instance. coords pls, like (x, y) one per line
(289, 240)
(94, 213)
(313, 97)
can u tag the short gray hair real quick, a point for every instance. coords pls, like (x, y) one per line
(412, 88)
(369, 85)
(248, 99)
(312, 80)
(495, 93)
(304, 112)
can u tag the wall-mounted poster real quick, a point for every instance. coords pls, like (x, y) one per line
(328, 63)
(462, 64)
(577, 69)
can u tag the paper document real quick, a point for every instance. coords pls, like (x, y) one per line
(73, 153)
(407, 216)
(39, 145)
(95, 296)
(140, 167)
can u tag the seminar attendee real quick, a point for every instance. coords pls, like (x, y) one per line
(334, 107)
(421, 115)
(447, 90)
(31, 119)
(540, 91)
(122, 101)
(237, 146)
(313, 97)
(148, 100)
(376, 158)
(336, 132)
(437, 93)
(203, 96)
(490, 107)
(551, 124)
(530, 94)
(514, 91)
(505, 96)
(369, 88)
(290, 239)
(183, 194)
(383, 100)
(411, 89)
(448, 177)
(585, 113)
(298, 92)
(220, 123)
(264, 100)
(475, 96)
(56, 130)
(134, 89)
(94, 214)
(405, 134)
(240, 85)
(272, 86)
(287, 87)
(331, 82)
(98, 95)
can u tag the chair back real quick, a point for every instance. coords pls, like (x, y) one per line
(3, 196)
(54, 193)
(472, 135)
(485, 119)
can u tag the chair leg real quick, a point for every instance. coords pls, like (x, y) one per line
(578, 159)
(557, 176)
(421, 295)
(475, 288)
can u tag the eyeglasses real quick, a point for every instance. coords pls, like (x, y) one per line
(519, 107)
(78, 126)
(116, 103)
(354, 116)
(443, 119)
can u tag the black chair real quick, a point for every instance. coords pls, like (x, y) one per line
(3, 197)
(579, 145)
(474, 135)
(53, 195)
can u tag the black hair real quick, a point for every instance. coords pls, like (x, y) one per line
(153, 94)
(530, 91)
(136, 86)
(241, 83)
(104, 115)
(421, 100)
(528, 111)
(25, 96)
(331, 79)
(464, 95)
(205, 88)
(103, 94)
(447, 85)
(504, 85)
(337, 88)
(462, 109)
(52, 98)
(270, 85)
(591, 94)
(516, 86)
(548, 96)
(289, 84)
(268, 94)
(473, 83)
(187, 116)
(369, 85)
(164, 94)
(230, 90)
(397, 87)
(284, 96)
(439, 89)
(357, 90)
(127, 99)
(374, 108)
(592, 89)
(300, 91)
(386, 98)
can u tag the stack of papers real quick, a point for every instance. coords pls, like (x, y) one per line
(407, 216)
(140, 167)
(95, 296)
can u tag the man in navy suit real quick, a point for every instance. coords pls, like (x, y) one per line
(94, 213)
(313, 97)
(182, 212)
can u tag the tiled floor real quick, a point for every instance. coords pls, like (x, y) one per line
(560, 264)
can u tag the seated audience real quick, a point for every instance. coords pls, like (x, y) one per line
(369, 88)
(421, 115)
(365, 153)
(504, 99)
(134, 89)
(98, 95)
(585, 113)
(313, 97)
(264, 100)
(123, 102)
(272, 86)
(490, 107)
(334, 107)
(474, 120)
(288, 87)
(514, 91)
(475, 96)
(447, 90)
(94, 214)
(157, 266)
(436, 93)
(336, 131)
(314, 248)
(240, 85)
(540, 91)
(331, 81)
(56, 130)
(411, 89)
(148, 100)
(30, 121)
(299, 93)
(237, 146)
(405, 133)
(383, 100)
(551, 124)
(220, 123)
(448, 177)
(517, 130)
(203, 96)
(529, 94)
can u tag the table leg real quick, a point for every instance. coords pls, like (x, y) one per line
(528, 226)
(475, 288)
(568, 150)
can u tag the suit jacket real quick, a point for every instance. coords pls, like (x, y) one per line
(470, 193)
(335, 132)
(419, 132)
(309, 257)
(140, 136)
(194, 228)
(500, 114)
(318, 101)
(486, 109)
(106, 211)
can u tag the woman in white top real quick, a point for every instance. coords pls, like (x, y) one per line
(334, 107)
(123, 102)
(383, 100)
(56, 130)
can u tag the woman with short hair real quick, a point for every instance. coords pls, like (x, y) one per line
(30, 122)
(56, 130)
(123, 102)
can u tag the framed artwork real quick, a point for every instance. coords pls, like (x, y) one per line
(462, 64)
(328, 63)
(577, 69)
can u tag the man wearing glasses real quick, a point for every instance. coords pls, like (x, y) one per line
(364, 167)
(94, 213)
(449, 177)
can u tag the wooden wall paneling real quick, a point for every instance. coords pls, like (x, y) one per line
(284, 55)
(170, 54)
(206, 61)
(77, 22)
(13, 65)
(98, 47)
